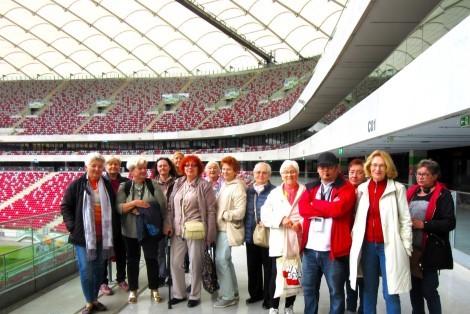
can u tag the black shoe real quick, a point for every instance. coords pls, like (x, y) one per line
(266, 305)
(161, 282)
(176, 301)
(193, 303)
(253, 300)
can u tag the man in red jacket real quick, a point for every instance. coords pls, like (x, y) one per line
(327, 207)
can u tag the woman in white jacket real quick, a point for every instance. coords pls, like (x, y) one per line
(381, 235)
(280, 213)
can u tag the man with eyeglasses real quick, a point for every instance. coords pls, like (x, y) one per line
(327, 207)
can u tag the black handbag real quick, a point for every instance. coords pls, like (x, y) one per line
(437, 254)
(209, 274)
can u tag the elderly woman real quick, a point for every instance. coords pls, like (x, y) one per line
(165, 175)
(231, 207)
(192, 200)
(381, 235)
(113, 167)
(281, 214)
(257, 257)
(87, 208)
(133, 196)
(213, 176)
(432, 215)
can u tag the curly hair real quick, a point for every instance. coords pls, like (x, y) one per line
(196, 160)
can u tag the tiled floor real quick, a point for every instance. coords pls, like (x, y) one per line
(68, 297)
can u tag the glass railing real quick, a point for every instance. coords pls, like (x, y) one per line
(462, 214)
(31, 247)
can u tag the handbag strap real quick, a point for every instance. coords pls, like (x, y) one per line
(254, 206)
(285, 249)
(182, 204)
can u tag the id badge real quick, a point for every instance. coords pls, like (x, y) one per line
(318, 223)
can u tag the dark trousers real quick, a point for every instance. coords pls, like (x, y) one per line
(133, 262)
(272, 287)
(352, 295)
(425, 289)
(120, 255)
(259, 272)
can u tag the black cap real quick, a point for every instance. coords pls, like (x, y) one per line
(327, 158)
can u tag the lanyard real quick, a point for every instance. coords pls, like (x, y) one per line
(325, 195)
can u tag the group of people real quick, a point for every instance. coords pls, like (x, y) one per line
(350, 229)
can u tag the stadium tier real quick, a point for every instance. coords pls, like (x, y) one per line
(136, 105)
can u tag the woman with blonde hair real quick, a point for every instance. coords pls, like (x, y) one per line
(381, 235)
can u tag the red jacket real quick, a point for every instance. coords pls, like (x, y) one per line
(341, 210)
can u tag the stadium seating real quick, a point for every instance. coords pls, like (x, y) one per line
(12, 182)
(41, 200)
(136, 103)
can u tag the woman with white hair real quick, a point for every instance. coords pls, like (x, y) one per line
(133, 196)
(87, 209)
(280, 213)
(257, 258)
(212, 171)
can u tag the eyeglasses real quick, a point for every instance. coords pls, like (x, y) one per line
(190, 165)
(328, 166)
(424, 175)
(381, 166)
(260, 172)
(292, 172)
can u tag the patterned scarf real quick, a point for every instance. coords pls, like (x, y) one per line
(89, 221)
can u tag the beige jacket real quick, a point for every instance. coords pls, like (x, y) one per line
(231, 205)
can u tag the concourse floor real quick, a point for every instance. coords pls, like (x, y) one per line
(67, 297)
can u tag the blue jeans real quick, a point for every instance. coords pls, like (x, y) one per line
(425, 289)
(373, 262)
(314, 265)
(91, 272)
(225, 269)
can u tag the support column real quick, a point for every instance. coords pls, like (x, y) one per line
(308, 165)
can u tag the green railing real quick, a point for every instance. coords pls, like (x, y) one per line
(29, 250)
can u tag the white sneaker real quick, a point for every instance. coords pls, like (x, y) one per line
(273, 311)
(236, 297)
(289, 310)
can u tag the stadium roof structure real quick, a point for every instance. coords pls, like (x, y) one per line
(69, 39)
